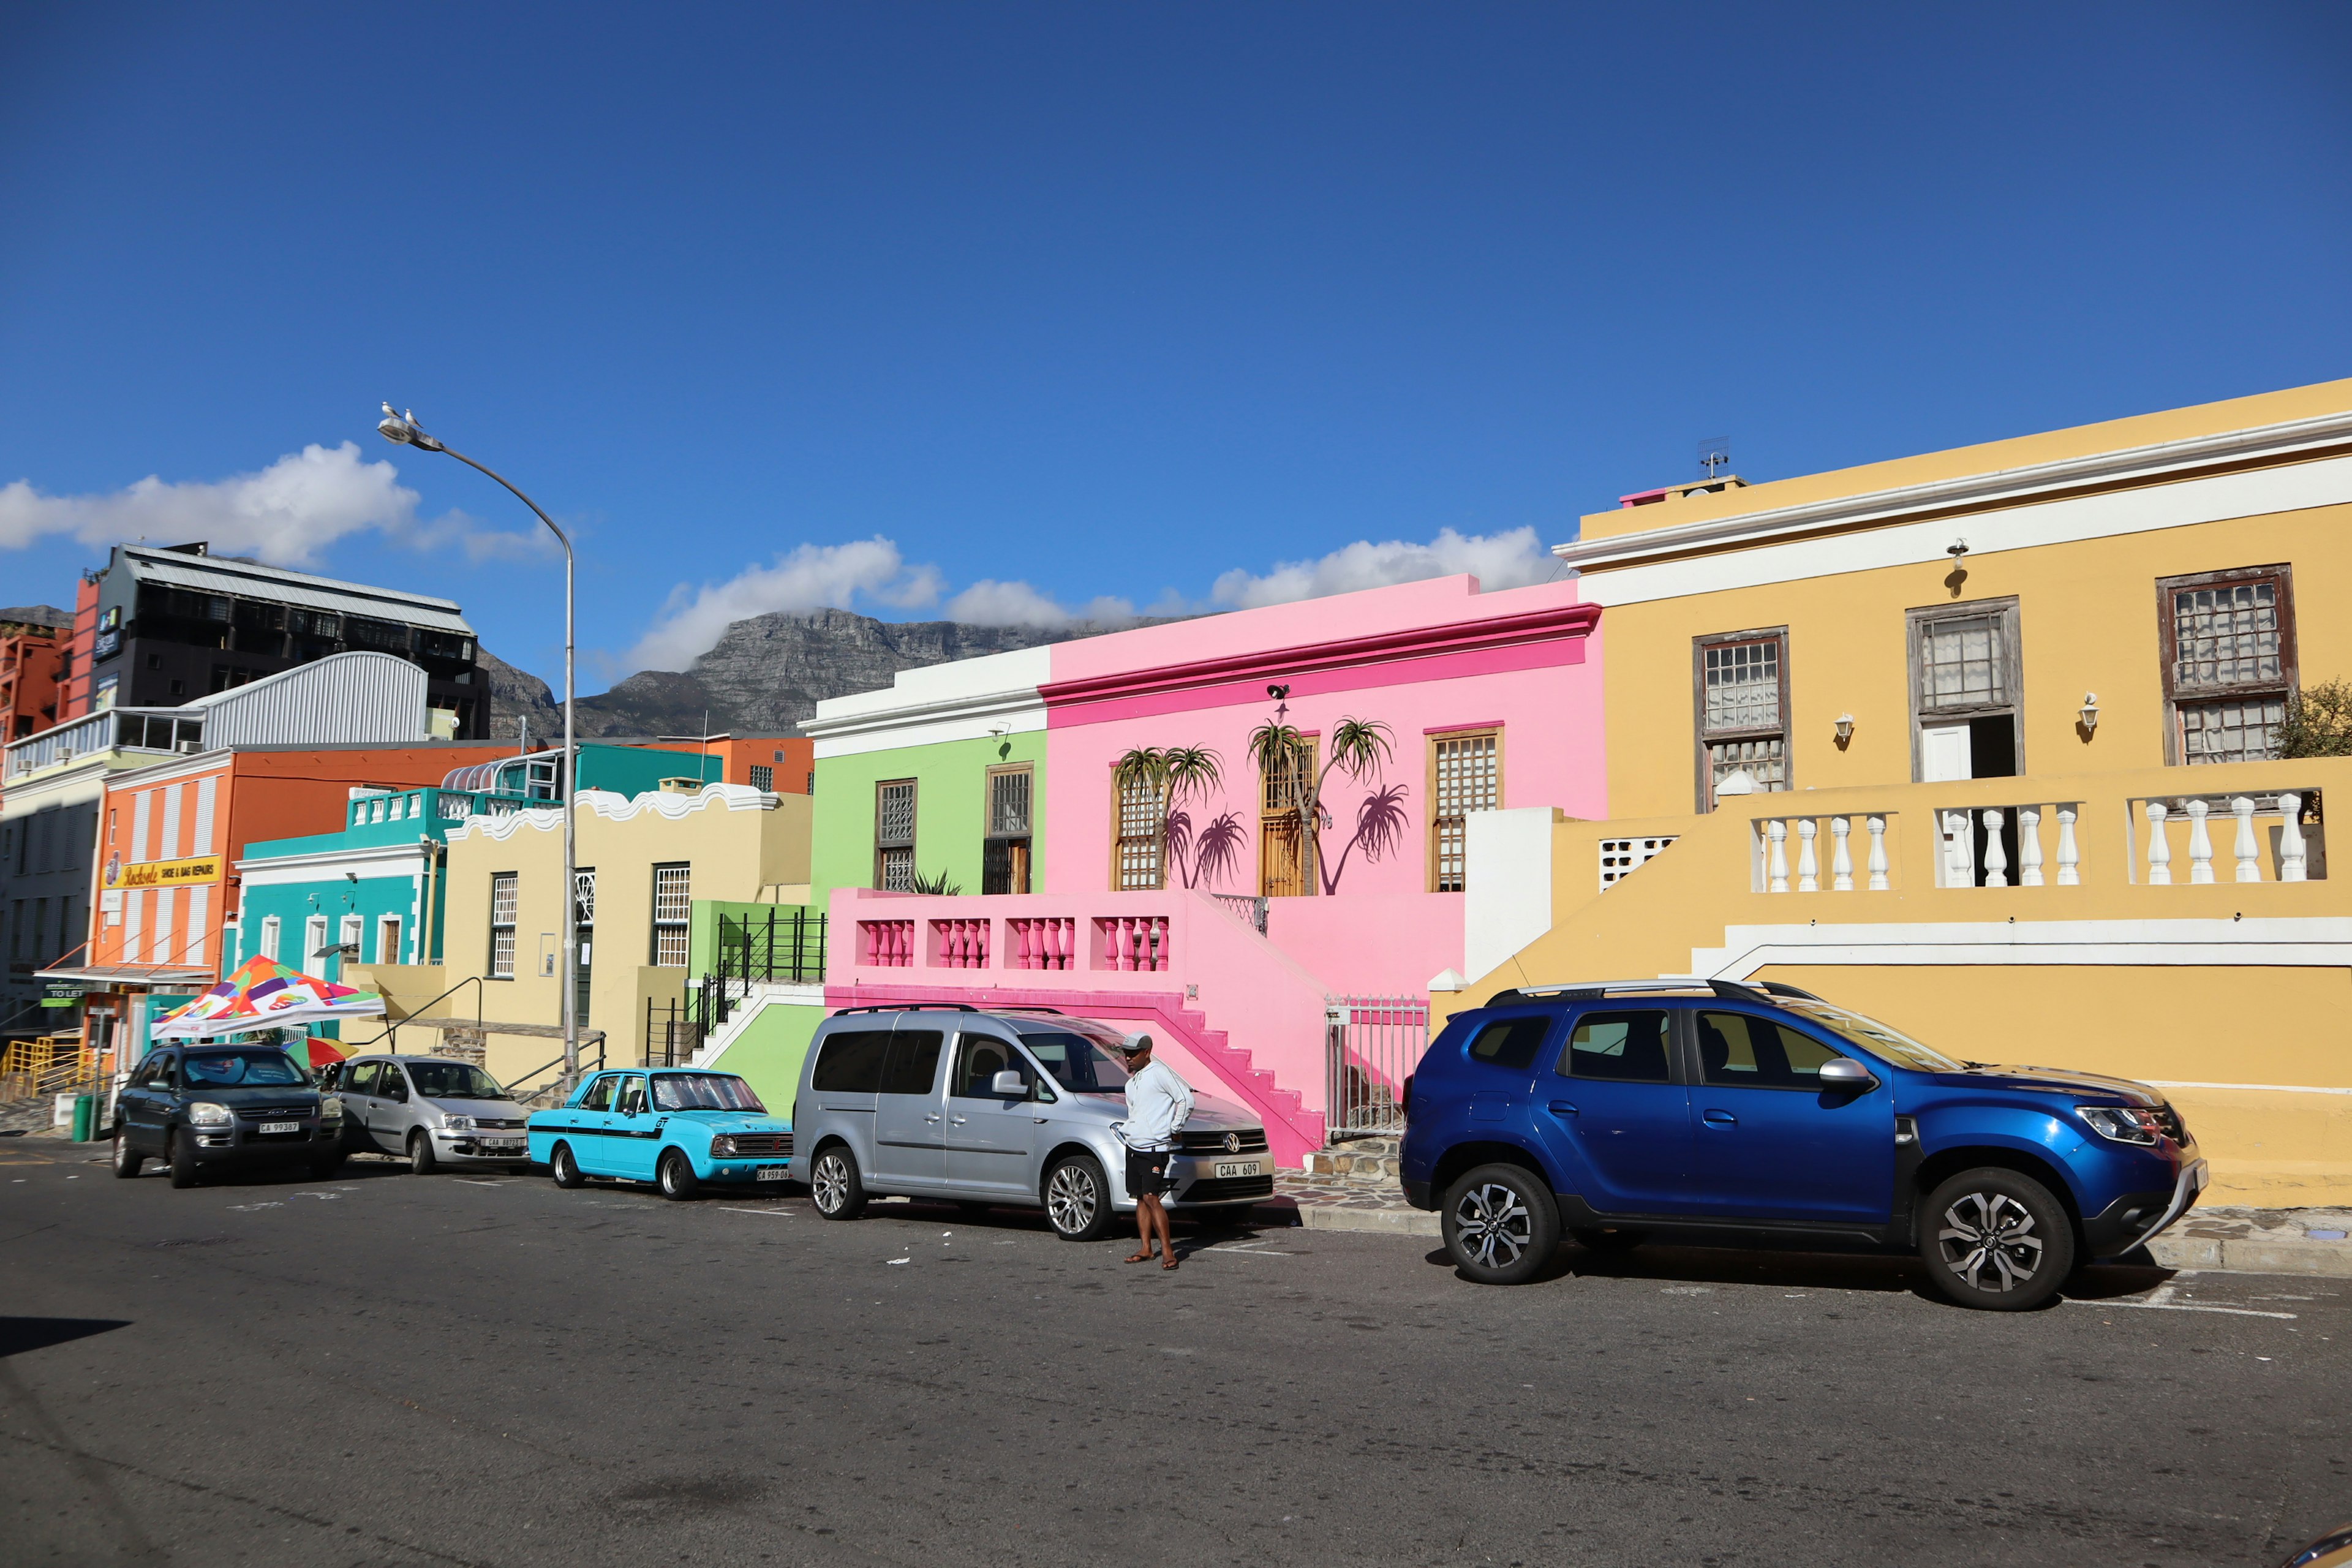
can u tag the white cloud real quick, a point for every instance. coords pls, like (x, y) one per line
(287, 514)
(811, 577)
(990, 603)
(1509, 560)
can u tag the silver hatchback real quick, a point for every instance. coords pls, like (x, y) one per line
(1010, 1106)
(433, 1109)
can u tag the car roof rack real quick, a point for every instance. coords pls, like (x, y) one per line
(908, 1007)
(1777, 988)
(1033, 1008)
(1594, 990)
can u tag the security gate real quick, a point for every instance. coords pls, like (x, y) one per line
(1373, 1044)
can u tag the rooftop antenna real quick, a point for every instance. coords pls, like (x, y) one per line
(1714, 455)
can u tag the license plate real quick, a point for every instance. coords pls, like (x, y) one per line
(772, 1173)
(279, 1127)
(1236, 1168)
(503, 1145)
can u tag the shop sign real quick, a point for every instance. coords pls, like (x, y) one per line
(164, 873)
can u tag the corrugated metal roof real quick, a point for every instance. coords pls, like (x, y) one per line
(343, 697)
(206, 574)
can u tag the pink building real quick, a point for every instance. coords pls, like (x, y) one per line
(1200, 916)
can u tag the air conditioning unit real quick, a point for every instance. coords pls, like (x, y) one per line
(188, 748)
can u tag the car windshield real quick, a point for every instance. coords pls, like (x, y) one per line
(453, 1080)
(1079, 1061)
(228, 1070)
(703, 1091)
(1876, 1037)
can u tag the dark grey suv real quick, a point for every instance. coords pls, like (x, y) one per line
(198, 1107)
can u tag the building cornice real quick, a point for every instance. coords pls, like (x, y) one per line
(1020, 701)
(1551, 624)
(412, 853)
(2296, 440)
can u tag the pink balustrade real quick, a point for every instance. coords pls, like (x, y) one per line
(961, 943)
(1131, 942)
(886, 942)
(1041, 941)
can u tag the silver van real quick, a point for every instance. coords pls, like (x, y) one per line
(434, 1110)
(1010, 1107)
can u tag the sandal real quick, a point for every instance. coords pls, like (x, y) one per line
(1141, 1258)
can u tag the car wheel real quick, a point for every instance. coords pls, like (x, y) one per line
(677, 1176)
(420, 1153)
(1500, 1224)
(183, 1157)
(834, 1185)
(1592, 1238)
(126, 1160)
(325, 1166)
(564, 1168)
(1997, 1239)
(1078, 1199)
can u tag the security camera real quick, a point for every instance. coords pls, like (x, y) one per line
(1277, 692)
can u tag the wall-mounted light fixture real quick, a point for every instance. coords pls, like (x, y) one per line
(2090, 712)
(1844, 728)
(1000, 728)
(1957, 550)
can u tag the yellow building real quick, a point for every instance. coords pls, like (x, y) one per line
(1984, 743)
(644, 864)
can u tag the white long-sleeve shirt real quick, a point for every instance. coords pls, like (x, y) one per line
(1157, 1103)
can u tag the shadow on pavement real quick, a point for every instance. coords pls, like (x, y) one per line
(18, 1335)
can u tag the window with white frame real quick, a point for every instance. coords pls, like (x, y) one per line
(314, 940)
(503, 898)
(387, 939)
(1740, 690)
(273, 936)
(894, 835)
(673, 914)
(2228, 663)
(353, 928)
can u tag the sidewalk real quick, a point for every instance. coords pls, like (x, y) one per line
(2219, 1240)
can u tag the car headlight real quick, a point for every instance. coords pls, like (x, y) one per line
(2122, 1123)
(204, 1113)
(458, 1123)
(331, 1109)
(723, 1147)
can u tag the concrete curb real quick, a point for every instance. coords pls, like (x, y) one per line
(1390, 1222)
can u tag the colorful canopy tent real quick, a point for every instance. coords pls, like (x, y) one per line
(265, 994)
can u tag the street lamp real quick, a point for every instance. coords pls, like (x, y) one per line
(401, 430)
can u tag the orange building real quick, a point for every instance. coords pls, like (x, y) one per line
(781, 764)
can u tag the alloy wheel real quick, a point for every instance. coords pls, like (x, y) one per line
(829, 1183)
(1991, 1241)
(1492, 1226)
(1071, 1199)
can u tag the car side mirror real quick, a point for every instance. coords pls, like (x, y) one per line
(1845, 1072)
(1008, 1082)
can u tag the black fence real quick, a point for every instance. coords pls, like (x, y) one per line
(769, 948)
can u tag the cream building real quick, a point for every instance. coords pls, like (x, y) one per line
(1985, 742)
(644, 864)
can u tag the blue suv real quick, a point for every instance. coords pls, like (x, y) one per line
(1719, 1113)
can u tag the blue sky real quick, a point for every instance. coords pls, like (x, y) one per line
(1006, 309)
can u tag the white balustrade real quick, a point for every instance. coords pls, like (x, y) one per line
(2200, 843)
(1777, 876)
(2159, 848)
(2292, 855)
(1809, 871)
(2029, 846)
(2070, 858)
(2248, 848)
(1996, 852)
(1878, 883)
(1960, 851)
(1841, 858)
(1776, 859)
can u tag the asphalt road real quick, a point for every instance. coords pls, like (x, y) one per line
(400, 1370)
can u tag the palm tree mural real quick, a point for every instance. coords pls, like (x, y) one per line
(1170, 774)
(1359, 748)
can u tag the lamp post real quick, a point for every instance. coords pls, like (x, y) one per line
(401, 430)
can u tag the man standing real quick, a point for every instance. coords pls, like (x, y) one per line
(1158, 1104)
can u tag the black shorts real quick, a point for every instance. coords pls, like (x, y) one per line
(1149, 1173)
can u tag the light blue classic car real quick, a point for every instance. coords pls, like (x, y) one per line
(678, 1127)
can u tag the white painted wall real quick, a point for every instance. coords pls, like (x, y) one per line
(1508, 868)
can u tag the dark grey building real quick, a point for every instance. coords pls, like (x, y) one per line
(179, 622)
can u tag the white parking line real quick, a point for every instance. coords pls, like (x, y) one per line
(2160, 1300)
(477, 1181)
(775, 1213)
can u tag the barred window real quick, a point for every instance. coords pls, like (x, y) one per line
(502, 925)
(2228, 663)
(1962, 663)
(763, 777)
(1141, 861)
(1465, 775)
(1008, 803)
(894, 835)
(673, 909)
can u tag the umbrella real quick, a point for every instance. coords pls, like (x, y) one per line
(265, 994)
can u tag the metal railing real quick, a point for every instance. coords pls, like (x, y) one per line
(514, 1086)
(790, 948)
(1251, 909)
(416, 1015)
(676, 1028)
(1372, 1045)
